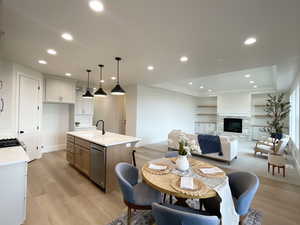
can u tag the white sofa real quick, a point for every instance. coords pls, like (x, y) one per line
(229, 145)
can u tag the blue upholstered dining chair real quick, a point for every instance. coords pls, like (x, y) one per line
(243, 187)
(175, 215)
(171, 154)
(135, 195)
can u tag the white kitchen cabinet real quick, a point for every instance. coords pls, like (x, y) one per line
(13, 193)
(59, 91)
(83, 106)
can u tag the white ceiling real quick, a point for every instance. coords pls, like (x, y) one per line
(156, 32)
(264, 78)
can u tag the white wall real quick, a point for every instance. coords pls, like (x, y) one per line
(7, 125)
(55, 125)
(111, 110)
(234, 104)
(131, 110)
(159, 111)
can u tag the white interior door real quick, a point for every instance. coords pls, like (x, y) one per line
(29, 115)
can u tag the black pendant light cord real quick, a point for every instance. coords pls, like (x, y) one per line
(88, 71)
(101, 66)
(118, 69)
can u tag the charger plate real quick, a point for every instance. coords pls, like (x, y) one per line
(199, 187)
(158, 172)
(209, 175)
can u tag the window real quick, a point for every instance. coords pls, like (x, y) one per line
(294, 116)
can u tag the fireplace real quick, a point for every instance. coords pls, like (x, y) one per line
(233, 125)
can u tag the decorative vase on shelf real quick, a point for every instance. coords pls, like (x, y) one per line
(182, 163)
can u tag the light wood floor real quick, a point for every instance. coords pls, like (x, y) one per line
(59, 195)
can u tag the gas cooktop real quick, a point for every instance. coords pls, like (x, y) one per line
(10, 142)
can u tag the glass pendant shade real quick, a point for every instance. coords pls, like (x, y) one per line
(100, 92)
(88, 94)
(118, 90)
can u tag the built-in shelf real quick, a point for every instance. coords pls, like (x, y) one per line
(261, 116)
(256, 125)
(206, 114)
(206, 122)
(207, 106)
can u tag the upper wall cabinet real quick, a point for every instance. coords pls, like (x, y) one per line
(60, 91)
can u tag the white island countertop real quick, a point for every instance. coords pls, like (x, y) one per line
(108, 139)
(12, 155)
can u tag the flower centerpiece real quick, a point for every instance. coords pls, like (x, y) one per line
(186, 147)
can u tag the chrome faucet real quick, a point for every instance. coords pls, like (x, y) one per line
(103, 131)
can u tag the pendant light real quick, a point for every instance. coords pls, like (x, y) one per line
(88, 94)
(100, 92)
(118, 90)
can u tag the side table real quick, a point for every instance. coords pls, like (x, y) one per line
(275, 160)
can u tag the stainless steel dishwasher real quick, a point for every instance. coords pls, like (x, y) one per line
(98, 165)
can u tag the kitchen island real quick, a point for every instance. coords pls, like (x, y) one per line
(95, 155)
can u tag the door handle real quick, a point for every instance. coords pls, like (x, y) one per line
(21, 132)
(2, 105)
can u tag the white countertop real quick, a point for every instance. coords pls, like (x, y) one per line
(108, 139)
(12, 155)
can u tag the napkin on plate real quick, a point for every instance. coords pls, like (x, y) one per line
(212, 170)
(157, 167)
(187, 183)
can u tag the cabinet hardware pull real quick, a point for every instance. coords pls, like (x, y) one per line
(2, 105)
(1, 84)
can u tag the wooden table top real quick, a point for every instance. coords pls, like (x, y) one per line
(163, 182)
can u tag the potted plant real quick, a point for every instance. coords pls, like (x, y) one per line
(277, 108)
(185, 148)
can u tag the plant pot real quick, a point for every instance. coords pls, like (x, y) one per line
(277, 136)
(182, 163)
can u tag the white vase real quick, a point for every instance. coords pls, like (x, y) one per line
(182, 163)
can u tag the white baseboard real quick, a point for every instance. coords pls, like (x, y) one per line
(54, 148)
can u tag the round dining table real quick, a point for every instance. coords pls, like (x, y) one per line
(163, 182)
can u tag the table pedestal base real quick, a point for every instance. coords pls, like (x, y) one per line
(181, 202)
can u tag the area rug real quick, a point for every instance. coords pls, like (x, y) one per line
(145, 217)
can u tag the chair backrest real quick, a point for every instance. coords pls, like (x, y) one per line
(164, 215)
(127, 177)
(243, 187)
(282, 145)
(171, 154)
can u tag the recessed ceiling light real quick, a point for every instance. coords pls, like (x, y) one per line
(68, 74)
(247, 75)
(101, 81)
(201, 87)
(51, 52)
(67, 36)
(254, 86)
(41, 61)
(96, 6)
(250, 41)
(209, 90)
(113, 78)
(150, 67)
(190, 83)
(251, 82)
(184, 59)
